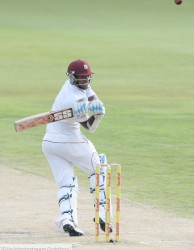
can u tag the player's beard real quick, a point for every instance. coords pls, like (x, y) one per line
(84, 87)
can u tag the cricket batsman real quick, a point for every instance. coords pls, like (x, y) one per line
(65, 146)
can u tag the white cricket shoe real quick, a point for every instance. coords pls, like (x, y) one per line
(69, 227)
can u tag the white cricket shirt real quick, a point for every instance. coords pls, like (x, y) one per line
(67, 130)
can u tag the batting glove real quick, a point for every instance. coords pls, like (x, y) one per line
(80, 110)
(96, 107)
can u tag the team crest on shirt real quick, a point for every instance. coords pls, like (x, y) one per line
(85, 66)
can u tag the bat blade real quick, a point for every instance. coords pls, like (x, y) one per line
(43, 118)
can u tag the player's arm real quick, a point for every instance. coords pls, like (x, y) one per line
(98, 110)
(96, 107)
(93, 97)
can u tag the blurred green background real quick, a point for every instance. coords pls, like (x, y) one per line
(143, 55)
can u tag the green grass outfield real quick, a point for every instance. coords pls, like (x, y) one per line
(143, 56)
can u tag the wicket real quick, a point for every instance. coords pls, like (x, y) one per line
(108, 202)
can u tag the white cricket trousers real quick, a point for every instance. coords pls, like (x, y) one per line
(63, 156)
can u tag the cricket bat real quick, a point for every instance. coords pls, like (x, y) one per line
(43, 118)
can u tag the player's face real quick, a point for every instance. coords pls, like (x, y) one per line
(84, 81)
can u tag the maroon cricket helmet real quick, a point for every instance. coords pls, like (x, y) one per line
(79, 68)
